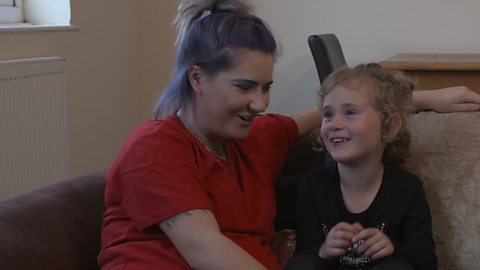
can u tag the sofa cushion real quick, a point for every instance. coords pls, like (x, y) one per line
(446, 156)
(54, 228)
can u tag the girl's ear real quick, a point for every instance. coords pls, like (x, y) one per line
(391, 128)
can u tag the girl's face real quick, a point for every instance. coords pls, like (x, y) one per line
(351, 129)
(231, 99)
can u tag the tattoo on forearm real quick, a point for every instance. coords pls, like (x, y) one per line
(169, 222)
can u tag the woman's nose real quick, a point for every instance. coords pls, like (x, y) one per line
(259, 101)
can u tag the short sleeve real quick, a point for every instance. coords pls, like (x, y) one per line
(163, 178)
(271, 137)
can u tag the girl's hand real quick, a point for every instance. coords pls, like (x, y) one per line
(377, 244)
(339, 239)
(450, 99)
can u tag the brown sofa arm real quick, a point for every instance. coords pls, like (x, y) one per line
(57, 227)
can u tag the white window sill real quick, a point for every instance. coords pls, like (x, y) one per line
(25, 27)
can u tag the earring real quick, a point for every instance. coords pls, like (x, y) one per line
(199, 92)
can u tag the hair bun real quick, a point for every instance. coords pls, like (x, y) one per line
(189, 11)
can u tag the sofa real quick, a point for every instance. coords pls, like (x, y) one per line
(58, 227)
(53, 228)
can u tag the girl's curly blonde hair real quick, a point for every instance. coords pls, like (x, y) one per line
(391, 99)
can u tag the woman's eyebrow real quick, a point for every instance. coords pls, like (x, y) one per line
(249, 81)
(244, 81)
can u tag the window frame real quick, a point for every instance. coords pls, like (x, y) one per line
(26, 24)
(14, 11)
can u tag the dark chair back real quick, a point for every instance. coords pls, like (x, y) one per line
(327, 54)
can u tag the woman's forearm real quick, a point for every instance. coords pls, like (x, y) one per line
(198, 239)
(307, 120)
(219, 252)
(450, 99)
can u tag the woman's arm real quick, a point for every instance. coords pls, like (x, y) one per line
(307, 120)
(450, 99)
(198, 238)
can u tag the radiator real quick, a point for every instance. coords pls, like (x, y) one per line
(33, 124)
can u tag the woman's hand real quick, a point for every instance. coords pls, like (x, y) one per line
(339, 239)
(283, 245)
(377, 244)
(450, 99)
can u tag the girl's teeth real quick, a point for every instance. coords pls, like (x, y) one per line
(337, 140)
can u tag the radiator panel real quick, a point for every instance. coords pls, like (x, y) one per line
(33, 124)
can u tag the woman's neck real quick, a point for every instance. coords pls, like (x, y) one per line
(214, 146)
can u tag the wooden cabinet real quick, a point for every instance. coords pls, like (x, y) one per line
(433, 71)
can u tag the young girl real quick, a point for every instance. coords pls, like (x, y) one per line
(363, 211)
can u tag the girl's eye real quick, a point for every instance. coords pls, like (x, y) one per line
(327, 115)
(350, 112)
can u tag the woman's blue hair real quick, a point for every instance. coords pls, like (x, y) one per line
(209, 37)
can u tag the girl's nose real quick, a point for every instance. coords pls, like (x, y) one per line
(336, 123)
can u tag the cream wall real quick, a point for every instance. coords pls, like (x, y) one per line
(121, 58)
(111, 66)
(157, 36)
(369, 30)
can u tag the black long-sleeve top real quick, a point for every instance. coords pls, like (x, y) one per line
(400, 209)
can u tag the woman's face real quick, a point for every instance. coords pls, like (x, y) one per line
(232, 98)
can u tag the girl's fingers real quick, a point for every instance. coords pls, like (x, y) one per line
(377, 246)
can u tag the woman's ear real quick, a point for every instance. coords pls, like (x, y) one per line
(194, 76)
(392, 127)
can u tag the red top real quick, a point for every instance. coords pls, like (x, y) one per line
(163, 170)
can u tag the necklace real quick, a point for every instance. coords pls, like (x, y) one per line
(200, 137)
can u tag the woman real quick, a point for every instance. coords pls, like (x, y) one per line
(193, 189)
